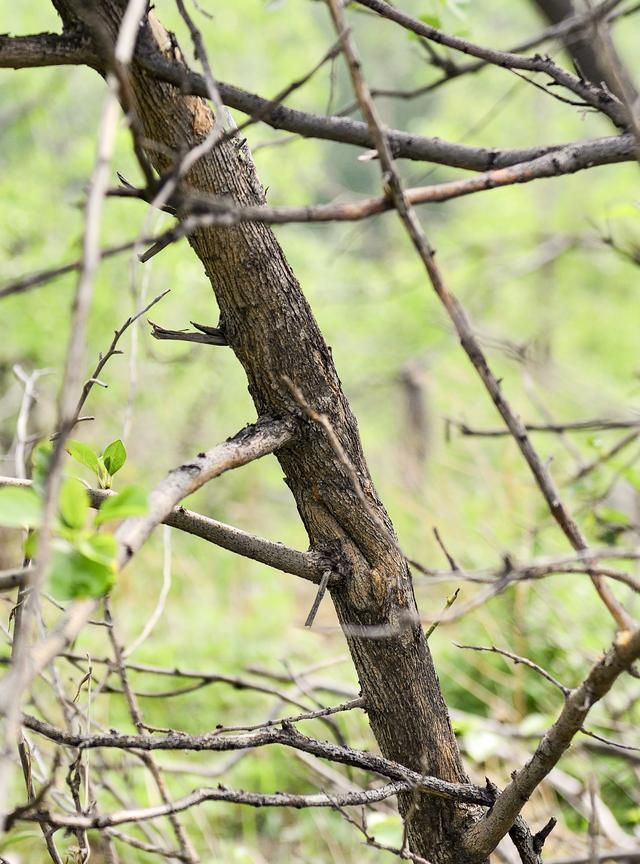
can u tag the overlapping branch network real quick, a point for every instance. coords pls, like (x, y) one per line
(495, 168)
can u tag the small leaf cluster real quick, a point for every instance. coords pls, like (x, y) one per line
(103, 466)
(84, 557)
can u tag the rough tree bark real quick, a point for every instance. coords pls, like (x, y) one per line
(272, 331)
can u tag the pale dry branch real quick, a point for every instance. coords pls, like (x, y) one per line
(307, 565)
(28, 400)
(111, 351)
(161, 603)
(186, 849)
(233, 796)
(484, 836)
(251, 443)
(15, 683)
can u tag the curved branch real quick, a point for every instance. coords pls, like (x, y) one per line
(593, 49)
(264, 437)
(484, 836)
(567, 160)
(234, 796)
(343, 130)
(597, 97)
(257, 440)
(286, 736)
(306, 565)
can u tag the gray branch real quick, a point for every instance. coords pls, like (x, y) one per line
(485, 835)
(286, 736)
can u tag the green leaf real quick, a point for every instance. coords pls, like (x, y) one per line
(83, 454)
(19, 507)
(31, 545)
(40, 461)
(114, 456)
(104, 478)
(611, 515)
(73, 575)
(102, 548)
(632, 475)
(130, 501)
(431, 20)
(73, 503)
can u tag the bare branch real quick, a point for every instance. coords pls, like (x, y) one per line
(596, 96)
(513, 571)
(307, 565)
(10, 579)
(485, 835)
(286, 736)
(234, 796)
(111, 350)
(516, 658)
(567, 160)
(46, 49)
(553, 428)
(592, 48)
(404, 145)
(208, 338)
(255, 441)
(600, 460)
(333, 128)
(251, 443)
(396, 195)
(200, 678)
(13, 687)
(41, 277)
(150, 763)
(570, 27)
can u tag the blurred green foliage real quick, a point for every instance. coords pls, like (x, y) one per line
(557, 311)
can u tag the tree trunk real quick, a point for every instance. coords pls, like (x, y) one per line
(271, 329)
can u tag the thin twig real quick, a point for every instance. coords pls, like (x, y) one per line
(516, 658)
(111, 351)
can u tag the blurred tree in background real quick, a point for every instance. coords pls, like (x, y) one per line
(503, 523)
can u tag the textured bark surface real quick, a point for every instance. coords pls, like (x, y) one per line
(271, 329)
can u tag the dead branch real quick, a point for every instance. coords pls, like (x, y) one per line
(484, 836)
